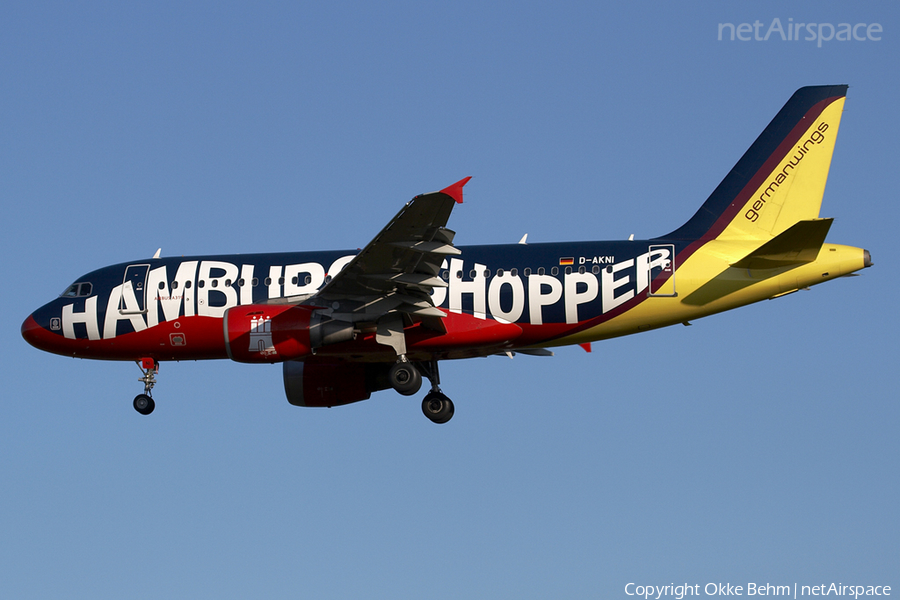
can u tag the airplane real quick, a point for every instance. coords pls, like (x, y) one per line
(345, 324)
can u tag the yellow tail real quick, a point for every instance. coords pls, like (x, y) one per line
(780, 180)
(792, 190)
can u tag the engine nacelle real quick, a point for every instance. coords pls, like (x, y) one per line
(331, 382)
(272, 333)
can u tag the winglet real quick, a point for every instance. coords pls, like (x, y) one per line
(455, 190)
(586, 346)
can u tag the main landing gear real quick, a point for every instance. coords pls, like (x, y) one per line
(406, 378)
(437, 407)
(143, 403)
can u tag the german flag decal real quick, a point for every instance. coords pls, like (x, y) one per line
(567, 261)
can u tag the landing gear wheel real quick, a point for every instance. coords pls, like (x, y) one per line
(405, 378)
(144, 404)
(437, 407)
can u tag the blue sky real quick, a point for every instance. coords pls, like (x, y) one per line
(755, 446)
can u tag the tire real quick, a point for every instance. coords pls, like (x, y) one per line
(438, 407)
(405, 378)
(144, 404)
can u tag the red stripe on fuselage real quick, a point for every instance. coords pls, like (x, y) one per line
(186, 338)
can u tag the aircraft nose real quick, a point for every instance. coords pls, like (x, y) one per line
(39, 335)
(31, 331)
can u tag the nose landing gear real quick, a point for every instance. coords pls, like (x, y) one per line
(143, 403)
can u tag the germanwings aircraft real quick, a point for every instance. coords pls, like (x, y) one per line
(346, 324)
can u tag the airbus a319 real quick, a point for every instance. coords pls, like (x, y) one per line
(347, 324)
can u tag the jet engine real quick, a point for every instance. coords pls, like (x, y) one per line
(256, 333)
(332, 382)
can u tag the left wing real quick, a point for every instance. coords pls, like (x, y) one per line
(397, 271)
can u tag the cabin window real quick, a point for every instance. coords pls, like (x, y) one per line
(201, 283)
(541, 271)
(188, 284)
(554, 271)
(595, 269)
(241, 282)
(294, 280)
(473, 274)
(514, 272)
(174, 285)
(268, 281)
(307, 280)
(281, 281)
(581, 269)
(215, 283)
(499, 272)
(527, 272)
(487, 273)
(254, 282)
(568, 270)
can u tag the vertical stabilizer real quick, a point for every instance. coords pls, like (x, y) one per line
(780, 180)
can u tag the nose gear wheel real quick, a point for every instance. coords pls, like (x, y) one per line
(143, 403)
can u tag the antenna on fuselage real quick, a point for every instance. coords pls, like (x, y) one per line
(158, 251)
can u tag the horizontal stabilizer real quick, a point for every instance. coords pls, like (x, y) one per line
(799, 244)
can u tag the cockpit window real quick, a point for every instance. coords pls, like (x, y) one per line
(77, 290)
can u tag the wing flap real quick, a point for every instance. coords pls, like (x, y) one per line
(430, 247)
(424, 280)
